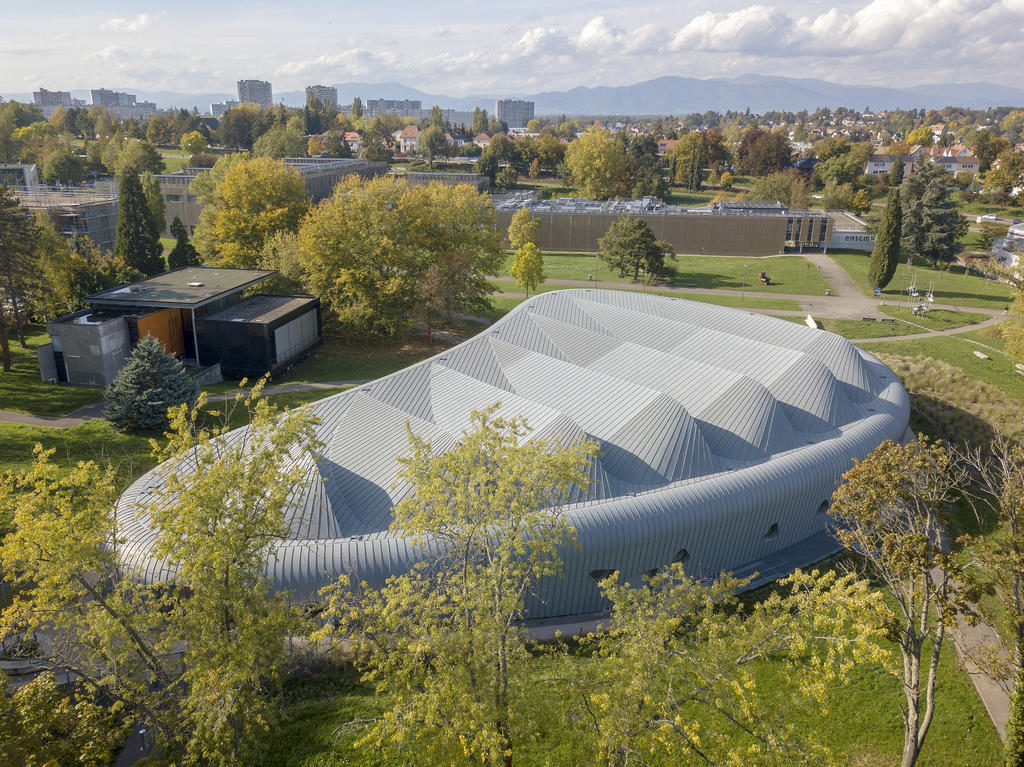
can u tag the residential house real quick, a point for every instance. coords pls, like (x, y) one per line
(407, 139)
(665, 146)
(482, 139)
(880, 164)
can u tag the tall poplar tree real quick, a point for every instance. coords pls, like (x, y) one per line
(138, 241)
(886, 253)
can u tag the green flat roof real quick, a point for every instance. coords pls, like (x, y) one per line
(188, 287)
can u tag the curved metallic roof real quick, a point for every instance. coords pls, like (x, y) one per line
(684, 398)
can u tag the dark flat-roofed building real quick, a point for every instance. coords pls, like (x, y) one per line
(90, 346)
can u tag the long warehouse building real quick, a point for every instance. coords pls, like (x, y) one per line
(723, 435)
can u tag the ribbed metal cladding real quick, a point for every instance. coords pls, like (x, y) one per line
(722, 434)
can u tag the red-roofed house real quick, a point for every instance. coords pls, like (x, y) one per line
(407, 139)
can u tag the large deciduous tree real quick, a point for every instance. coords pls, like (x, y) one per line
(137, 241)
(762, 152)
(629, 245)
(596, 163)
(19, 269)
(445, 642)
(678, 676)
(891, 512)
(886, 253)
(244, 202)
(788, 188)
(378, 251)
(432, 143)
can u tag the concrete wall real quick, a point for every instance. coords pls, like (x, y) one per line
(696, 234)
(94, 352)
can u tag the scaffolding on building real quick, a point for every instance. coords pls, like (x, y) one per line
(77, 211)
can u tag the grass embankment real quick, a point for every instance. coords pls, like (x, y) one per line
(861, 728)
(958, 350)
(98, 440)
(23, 389)
(952, 286)
(789, 274)
(337, 359)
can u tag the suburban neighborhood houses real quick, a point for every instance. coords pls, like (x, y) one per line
(512, 385)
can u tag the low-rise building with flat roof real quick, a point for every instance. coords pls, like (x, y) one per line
(77, 212)
(197, 313)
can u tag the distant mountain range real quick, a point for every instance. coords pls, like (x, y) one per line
(660, 96)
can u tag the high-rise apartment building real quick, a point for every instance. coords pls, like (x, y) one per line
(255, 92)
(123, 106)
(327, 95)
(404, 107)
(50, 100)
(514, 113)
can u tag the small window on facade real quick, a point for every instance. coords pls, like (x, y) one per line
(824, 506)
(682, 557)
(600, 575)
(773, 531)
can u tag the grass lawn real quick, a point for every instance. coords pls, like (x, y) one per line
(906, 323)
(24, 391)
(789, 274)
(954, 286)
(168, 243)
(549, 188)
(174, 160)
(862, 726)
(934, 319)
(98, 440)
(504, 304)
(958, 350)
(338, 360)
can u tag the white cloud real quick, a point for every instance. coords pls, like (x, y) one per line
(355, 62)
(140, 22)
(107, 55)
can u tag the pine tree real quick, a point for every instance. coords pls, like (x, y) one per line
(184, 252)
(886, 253)
(150, 382)
(138, 242)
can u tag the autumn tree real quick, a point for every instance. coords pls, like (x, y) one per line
(281, 141)
(998, 473)
(198, 656)
(890, 513)
(193, 142)
(43, 724)
(378, 250)
(788, 188)
(762, 152)
(63, 167)
(522, 229)
(596, 163)
(432, 143)
(629, 245)
(217, 524)
(678, 675)
(528, 267)
(19, 269)
(886, 253)
(688, 160)
(444, 643)
(137, 241)
(244, 202)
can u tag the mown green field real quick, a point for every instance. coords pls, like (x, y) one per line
(789, 274)
(862, 726)
(954, 286)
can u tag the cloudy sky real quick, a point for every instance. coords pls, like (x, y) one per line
(459, 47)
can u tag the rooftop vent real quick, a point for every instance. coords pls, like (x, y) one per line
(195, 284)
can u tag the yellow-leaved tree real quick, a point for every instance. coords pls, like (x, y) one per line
(444, 643)
(244, 202)
(596, 162)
